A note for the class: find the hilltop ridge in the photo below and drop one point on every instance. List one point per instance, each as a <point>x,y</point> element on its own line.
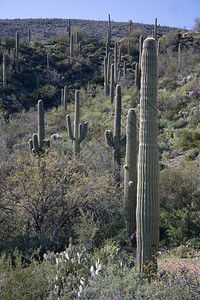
<point>42,29</point>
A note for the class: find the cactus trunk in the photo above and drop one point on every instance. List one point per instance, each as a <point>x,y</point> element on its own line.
<point>130,173</point>
<point>148,209</point>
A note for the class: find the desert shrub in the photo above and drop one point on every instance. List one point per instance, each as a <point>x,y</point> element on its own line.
<point>188,139</point>
<point>23,278</point>
<point>180,209</point>
<point>45,199</point>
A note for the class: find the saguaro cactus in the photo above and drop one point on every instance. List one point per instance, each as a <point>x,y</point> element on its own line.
<point>112,83</point>
<point>115,141</point>
<point>29,35</point>
<point>38,141</point>
<point>105,77</point>
<point>80,131</point>
<point>17,50</point>
<point>65,97</point>
<point>48,61</point>
<point>71,48</point>
<point>130,172</point>
<point>115,63</point>
<point>4,72</point>
<point>148,211</point>
<point>109,30</point>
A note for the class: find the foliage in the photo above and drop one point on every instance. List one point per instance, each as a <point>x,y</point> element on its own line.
<point>180,202</point>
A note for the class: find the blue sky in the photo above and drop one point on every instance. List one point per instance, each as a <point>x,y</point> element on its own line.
<point>175,13</point>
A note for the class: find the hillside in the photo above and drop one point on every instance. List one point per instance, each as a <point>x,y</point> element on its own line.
<point>42,29</point>
<point>62,214</point>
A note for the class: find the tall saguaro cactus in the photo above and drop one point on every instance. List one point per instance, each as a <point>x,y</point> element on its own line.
<point>4,72</point>
<point>80,131</point>
<point>130,172</point>
<point>38,141</point>
<point>114,140</point>
<point>148,204</point>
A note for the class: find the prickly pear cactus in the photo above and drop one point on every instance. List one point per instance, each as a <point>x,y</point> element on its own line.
<point>148,211</point>
<point>130,172</point>
<point>73,269</point>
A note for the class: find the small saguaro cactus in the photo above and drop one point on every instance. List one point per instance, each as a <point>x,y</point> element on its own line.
<point>80,131</point>
<point>114,140</point>
<point>130,172</point>
<point>38,141</point>
<point>4,71</point>
<point>148,203</point>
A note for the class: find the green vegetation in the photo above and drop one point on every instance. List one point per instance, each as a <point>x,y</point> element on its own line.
<point>50,199</point>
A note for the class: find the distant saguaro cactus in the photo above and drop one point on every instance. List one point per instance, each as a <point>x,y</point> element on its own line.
<point>48,61</point>
<point>17,50</point>
<point>115,63</point>
<point>71,47</point>
<point>148,204</point>
<point>65,98</point>
<point>4,71</point>
<point>109,31</point>
<point>112,83</point>
<point>80,131</point>
<point>105,77</point>
<point>38,141</point>
<point>114,140</point>
<point>130,172</point>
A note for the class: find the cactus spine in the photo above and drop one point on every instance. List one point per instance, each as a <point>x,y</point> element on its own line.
<point>38,141</point>
<point>130,172</point>
<point>115,140</point>
<point>148,212</point>
<point>4,71</point>
<point>80,131</point>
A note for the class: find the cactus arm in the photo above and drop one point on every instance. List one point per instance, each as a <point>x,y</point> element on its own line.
<point>30,142</point>
<point>69,128</point>
<point>82,131</point>
<point>109,138</point>
<point>35,148</point>
<point>123,141</point>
